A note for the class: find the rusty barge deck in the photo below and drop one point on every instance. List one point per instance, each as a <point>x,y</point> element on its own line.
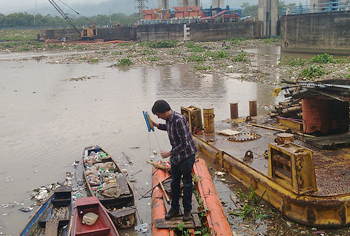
<point>309,185</point>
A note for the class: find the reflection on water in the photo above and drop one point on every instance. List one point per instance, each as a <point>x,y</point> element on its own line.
<point>47,119</point>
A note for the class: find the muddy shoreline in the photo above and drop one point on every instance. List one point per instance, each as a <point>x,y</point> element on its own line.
<point>204,57</point>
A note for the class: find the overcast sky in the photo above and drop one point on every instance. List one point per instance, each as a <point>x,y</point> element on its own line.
<point>94,7</point>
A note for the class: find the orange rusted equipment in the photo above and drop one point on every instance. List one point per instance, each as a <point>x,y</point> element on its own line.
<point>181,12</point>
<point>149,14</point>
<point>158,204</point>
<point>195,11</point>
<point>215,217</point>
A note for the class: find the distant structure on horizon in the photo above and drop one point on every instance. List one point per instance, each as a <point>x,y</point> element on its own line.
<point>164,4</point>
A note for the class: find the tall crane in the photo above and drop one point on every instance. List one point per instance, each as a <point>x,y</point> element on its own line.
<point>86,33</point>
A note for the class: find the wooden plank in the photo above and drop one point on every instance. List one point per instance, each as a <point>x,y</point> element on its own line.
<point>173,223</point>
<point>195,206</point>
<point>51,227</point>
<point>196,220</point>
<point>123,185</point>
<point>161,185</point>
<point>123,212</point>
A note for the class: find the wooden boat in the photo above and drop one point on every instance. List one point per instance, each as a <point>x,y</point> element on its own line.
<point>53,217</point>
<point>102,226</point>
<point>215,218</point>
<point>105,180</point>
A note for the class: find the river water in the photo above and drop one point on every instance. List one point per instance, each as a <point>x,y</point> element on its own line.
<point>48,116</point>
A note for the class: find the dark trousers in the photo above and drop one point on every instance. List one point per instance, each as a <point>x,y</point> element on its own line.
<point>184,169</point>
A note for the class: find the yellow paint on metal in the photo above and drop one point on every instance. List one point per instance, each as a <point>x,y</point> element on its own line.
<point>208,117</point>
<point>292,166</point>
<point>294,125</point>
<point>295,193</point>
<point>194,117</point>
<point>305,209</point>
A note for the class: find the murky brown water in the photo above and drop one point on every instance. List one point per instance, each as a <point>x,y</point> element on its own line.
<point>47,119</point>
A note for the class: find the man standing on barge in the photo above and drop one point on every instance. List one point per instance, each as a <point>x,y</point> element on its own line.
<point>182,156</point>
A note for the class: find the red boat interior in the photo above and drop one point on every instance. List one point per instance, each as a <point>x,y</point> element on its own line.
<point>98,228</point>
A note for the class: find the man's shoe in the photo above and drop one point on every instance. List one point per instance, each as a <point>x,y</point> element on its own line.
<point>172,212</point>
<point>187,215</point>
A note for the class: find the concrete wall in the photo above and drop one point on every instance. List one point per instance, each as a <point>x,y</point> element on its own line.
<point>163,4</point>
<point>163,32</point>
<point>268,14</point>
<point>185,3</point>
<point>200,32</point>
<point>316,33</point>
<point>218,3</point>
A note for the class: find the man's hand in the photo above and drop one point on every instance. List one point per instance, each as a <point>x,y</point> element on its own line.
<point>155,123</point>
<point>165,154</point>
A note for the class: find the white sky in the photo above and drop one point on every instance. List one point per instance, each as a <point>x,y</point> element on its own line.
<point>92,7</point>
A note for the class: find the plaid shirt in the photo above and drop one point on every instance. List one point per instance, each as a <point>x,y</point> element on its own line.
<point>180,137</point>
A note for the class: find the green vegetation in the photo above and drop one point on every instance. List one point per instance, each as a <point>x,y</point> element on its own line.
<point>174,52</point>
<point>55,46</point>
<point>342,60</point>
<point>237,41</point>
<point>153,58</point>
<point>21,46</point>
<point>19,35</point>
<point>26,19</point>
<point>93,60</point>
<point>163,44</point>
<point>242,56</point>
<point>324,58</point>
<point>124,62</point>
<point>148,52</point>
<point>202,67</point>
<point>124,44</point>
<point>312,72</point>
<point>196,48</point>
<point>292,61</point>
<point>249,10</point>
<point>196,58</point>
<point>252,10</point>
<point>271,40</point>
<point>252,208</point>
<point>217,55</point>
<point>117,53</point>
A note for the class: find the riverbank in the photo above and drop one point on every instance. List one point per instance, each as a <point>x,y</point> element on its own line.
<point>204,57</point>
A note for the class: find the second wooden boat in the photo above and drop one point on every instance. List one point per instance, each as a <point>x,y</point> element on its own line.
<point>53,217</point>
<point>105,180</point>
<point>91,218</point>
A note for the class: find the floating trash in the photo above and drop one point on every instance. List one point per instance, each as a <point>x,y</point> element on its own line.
<point>26,209</point>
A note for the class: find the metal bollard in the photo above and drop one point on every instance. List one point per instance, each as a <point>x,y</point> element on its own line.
<point>234,110</point>
<point>208,117</point>
<point>253,108</point>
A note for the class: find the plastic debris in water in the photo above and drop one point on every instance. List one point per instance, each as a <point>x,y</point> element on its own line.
<point>143,228</point>
<point>26,209</point>
<point>155,152</point>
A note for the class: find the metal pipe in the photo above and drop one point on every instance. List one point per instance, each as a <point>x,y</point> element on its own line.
<point>253,108</point>
<point>234,110</point>
<point>208,117</point>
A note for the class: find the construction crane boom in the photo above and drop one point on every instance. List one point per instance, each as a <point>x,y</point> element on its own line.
<point>64,15</point>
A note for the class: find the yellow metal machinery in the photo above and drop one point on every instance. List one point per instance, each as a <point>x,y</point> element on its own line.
<point>194,117</point>
<point>292,166</point>
<point>289,184</point>
<point>88,33</point>
<point>208,117</point>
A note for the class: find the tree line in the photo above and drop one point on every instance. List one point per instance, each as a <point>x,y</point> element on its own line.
<point>29,20</point>
<point>252,10</point>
